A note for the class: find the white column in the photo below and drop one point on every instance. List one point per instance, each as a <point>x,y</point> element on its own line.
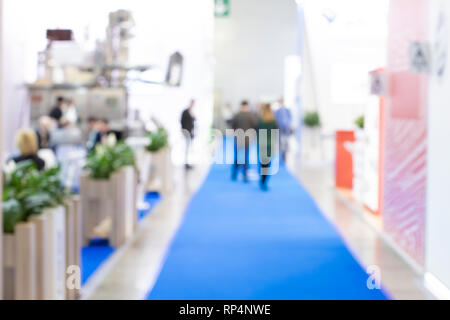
<point>1,145</point>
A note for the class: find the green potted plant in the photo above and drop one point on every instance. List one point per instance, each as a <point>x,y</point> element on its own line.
<point>359,131</point>
<point>33,226</point>
<point>359,122</point>
<point>312,135</point>
<point>311,119</point>
<point>358,154</point>
<point>108,193</point>
<point>105,160</point>
<point>28,192</point>
<point>158,140</point>
<point>160,172</point>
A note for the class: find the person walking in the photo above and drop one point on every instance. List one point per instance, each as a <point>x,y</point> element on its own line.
<point>244,120</point>
<point>284,119</point>
<point>267,122</point>
<point>188,126</point>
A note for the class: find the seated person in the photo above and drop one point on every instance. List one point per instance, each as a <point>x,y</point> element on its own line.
<point>66,135</point>
<point>70,113</point>
<point>106,130</point>
<point>103,130</point>
<point>94,136</point>
<point>100,133</point>
<point>46,126</point>
<point>57,111</point>
<point>27,143</point>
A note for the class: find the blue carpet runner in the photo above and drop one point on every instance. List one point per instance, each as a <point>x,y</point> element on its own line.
<point>93,256</point>
<point>237,242</point>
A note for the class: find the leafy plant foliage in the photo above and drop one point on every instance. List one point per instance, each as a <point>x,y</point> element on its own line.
<point>311,119</point>
<point>104,160</point>
<point>158,140</point>
<point>360,122</point>
<point>27,192</point>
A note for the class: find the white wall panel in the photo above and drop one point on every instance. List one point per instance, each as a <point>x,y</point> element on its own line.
<point>1,147</point>
<point>250,50</point>
<point>340,53</point>
<point>438,172</point>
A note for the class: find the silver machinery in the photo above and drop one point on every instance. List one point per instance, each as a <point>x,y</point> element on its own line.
<point>95,81</point>
<point>94,102</point>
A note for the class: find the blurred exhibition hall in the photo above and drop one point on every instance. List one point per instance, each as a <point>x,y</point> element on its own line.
<point>225,150</point>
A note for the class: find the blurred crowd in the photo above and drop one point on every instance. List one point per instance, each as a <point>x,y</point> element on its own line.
<point>266,122</point>
<point>60,136</point>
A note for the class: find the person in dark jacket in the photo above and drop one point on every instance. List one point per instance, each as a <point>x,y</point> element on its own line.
<point>93,136</point>
<point>188,126</point>
<point>267,122</point>
<point>57,111</point>
<point>27,143</point>
<point>244,120</point>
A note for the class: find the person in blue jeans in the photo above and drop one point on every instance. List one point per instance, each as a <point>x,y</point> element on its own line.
<point>244,120</point>
<point>267,122</point>
<point>284,120</point>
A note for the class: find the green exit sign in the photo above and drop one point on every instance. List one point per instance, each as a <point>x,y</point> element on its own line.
<point>222,8</point>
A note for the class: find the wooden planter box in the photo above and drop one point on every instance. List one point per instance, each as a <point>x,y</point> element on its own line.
<point>74,241</point>
<point>358,152</point>
<point>53,255</point>
<point>110,204</point>
<point>313,149</point>
<point>36,256</point>
<point>34,263</point>
<point>19,263</point>
<point>144,161</point>
<point>161,178</point>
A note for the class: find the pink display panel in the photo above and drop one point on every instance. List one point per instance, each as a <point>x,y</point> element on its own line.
<point>405,131</point>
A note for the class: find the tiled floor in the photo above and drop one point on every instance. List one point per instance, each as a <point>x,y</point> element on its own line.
<point>368,247</point>
<point>135,270</point>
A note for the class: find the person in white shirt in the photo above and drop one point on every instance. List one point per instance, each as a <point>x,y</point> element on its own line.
<point>71,114</point>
